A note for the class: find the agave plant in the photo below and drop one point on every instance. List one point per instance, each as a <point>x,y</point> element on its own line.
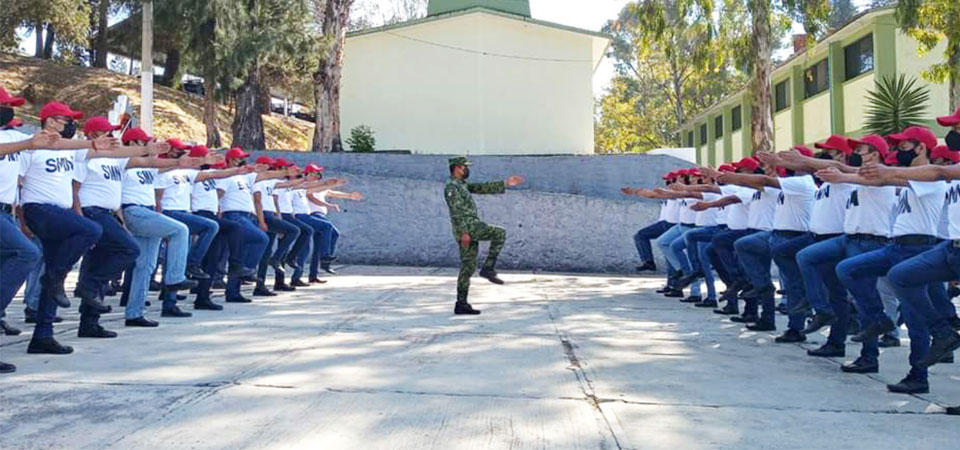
<point>896,103</point>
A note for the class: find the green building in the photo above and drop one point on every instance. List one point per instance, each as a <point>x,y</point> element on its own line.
<point>820,91</point>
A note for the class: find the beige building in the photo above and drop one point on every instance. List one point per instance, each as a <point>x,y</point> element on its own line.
<point>473,77</point>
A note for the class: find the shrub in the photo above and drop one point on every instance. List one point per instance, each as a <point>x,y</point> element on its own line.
<point>361,140</point>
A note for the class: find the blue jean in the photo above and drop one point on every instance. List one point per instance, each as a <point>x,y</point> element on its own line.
<point>325,237</point>
<point>31,292</point>
<point>697,242</point>
<point>65,237</point>
<point>301,249</point>
<point>214,262</point>
<point>666,239</point>
<point>722,243</point>
<point>642,239</point>
<point>753,251</point>
<point>148,228</point>
<point>18,256</point>
<point>784,250</point>
<point>682,254</point>
<point>276,225</point>
<point>115,252</point>
<point>205,229</point>
<point>255,243</point>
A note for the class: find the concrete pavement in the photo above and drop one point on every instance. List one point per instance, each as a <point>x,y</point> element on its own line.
<point>375,360</point>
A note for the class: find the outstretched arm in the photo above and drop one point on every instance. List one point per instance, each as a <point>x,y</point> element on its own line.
<point>920,173</point>
<point>345,195</point>
<point>43,139</point>
<point>792,159</point>
<point>836,176</point>
<point>719,203</point>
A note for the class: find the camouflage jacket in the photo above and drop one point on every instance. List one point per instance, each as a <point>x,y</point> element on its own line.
<point>463,211</point>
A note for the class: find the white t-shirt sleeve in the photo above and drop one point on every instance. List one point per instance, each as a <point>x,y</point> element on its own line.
<point>710,197</point>
<point>163,181</point>
<point>798,186</point>
<point>926,188</point>
<point>80,171</point>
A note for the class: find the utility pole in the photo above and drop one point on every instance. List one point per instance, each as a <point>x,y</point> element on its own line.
<point>146,69</point>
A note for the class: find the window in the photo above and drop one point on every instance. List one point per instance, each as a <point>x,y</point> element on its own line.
<point>782,100</point>
<point>816,79</point>
<point>858,57</point>
<point>736,119</point>
<point>703,134</point>
<point>718,126</point>
<point>690,139</point>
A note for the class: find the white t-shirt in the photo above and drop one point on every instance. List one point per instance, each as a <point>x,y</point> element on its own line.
<point>671,211</point>
<point>315,208</point>
<point>794,203</point>
<point>300,203</point>
<point>919,208</point>
<point>284,200</point>
<point>869,210</point>
<point>829,208</point>
<point>101,182</point>
<point>265,188</point>
<point>737,214</point>
<point>12,166</point>
<point>138,187</point>
<point>762,206</point>
<point>48,178</point>
<point>687,215</point>
<point>177,187</point>
<point>952,215</point>
<point>237,193</point>
<point>707,217</point>
<point>204,196</point>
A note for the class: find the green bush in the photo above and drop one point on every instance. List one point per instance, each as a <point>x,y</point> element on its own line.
<point>361,140</point>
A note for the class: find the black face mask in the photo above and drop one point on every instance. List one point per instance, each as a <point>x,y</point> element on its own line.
<point>905,158</point>
<point>6,115</point>
<point>759,171</point>
<point>823,155</point>
<point>953,140</point>
<point>466,172</point>
<point>205,167</point>
<point>855,160</point>
<point>69,130</point>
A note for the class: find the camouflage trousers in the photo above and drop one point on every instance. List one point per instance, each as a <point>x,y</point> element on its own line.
<point>468,256</point>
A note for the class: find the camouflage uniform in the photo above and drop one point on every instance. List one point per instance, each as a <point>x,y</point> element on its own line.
<point>463,216</point>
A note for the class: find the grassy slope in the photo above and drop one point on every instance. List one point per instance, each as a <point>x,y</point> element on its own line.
<point>93,91</point>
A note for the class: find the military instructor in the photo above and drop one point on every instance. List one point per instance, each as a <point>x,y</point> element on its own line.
<point>469,230</point>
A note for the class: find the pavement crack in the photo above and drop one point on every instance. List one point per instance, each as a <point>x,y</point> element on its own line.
<point>762,407</point>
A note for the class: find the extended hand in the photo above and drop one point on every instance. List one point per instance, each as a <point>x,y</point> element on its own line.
<point>157,148</point>
<point>830,174</point>
<point>628,191</point>
<point>335,207</point>
<point>189,162</point>
<point>106,143</point>
<point>464,240</point>
<point>700,206</point>
<point>213,158</point>
<point>44,139</point>
<point>356,196</point>
<point>874,170</point>
<point>768,158</point>
<point>710,172</point>
<point>513,181</point>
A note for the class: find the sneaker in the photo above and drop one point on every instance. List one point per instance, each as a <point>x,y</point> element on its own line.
<point>861,365</point>
<point>910,385</point>
<point>48,346</point>
<point>790,336</point>
<point>829,350</point>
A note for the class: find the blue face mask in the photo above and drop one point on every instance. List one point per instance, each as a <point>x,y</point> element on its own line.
<point>953,140</point>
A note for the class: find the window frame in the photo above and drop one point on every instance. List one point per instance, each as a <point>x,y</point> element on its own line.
<point>690,142</point>
<point>813,87</point>
<point>718,127</point>
<point>859,47</point>
<point>736,118</point>
<point>777,107</point>
<point>703,134</point>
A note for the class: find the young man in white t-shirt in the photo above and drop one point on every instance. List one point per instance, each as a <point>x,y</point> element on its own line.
<point>669,213</point>
<point>326,235</point>
<point>686,222</point>
<point>266,203</point>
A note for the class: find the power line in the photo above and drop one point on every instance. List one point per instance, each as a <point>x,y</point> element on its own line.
<point>484,53</point>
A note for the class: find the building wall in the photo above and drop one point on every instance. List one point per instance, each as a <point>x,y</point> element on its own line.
<point>736,140</point>
<point>437,100</point>
<point>816,118</point>
<point>913,65</point>
<point>855,101</point>
<point>782,129</point>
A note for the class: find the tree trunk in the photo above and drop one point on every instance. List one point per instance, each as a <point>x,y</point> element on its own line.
<point>171,71</point>
<point>210,106</point>
<point>326,133</point>
<point>247,122</point>
<point>762,120</point>
<point>38,39</point>
<point>100,45</point>
<point>48,42</point>
<point>954,62</point>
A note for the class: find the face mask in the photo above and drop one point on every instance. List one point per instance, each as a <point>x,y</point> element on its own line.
<point>790,172</point>
<point>69,130</point>
<point>855,160</point>
<point>953,140</point>
<point>759,171</point>
<point>6,115</point>
<point>466,173</point>
<point>904,159</point>
<point>824,155</point>
<point>205,167</point>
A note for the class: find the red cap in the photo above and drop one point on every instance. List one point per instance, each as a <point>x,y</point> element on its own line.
<point>197,151</point>
<point>835,142</point>
<point>295,167</point>
<point>313,168</point>
<point>874,140</point>
<point>683,172</point>
<point>748,163</point>
<point>942,151</point>
<point>8,100</point>
<point>266,160</point>
<point>57,109</point>
<point>727,168</point>
<point>98,123</point>
<point>695,172</point>
<point>220,165</point>
<point>179,145</point>
<point>781,171</point>
<point>804,150</point>
<point>916,133</point>
<point>669,175</point>
<point>949,121</point>
<point>135,134</point>
<point>280,163</point>
<point>235,153</point>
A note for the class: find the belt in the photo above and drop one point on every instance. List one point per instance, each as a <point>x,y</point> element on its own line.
<point>788,233</point>
<point>243,213</point>
<point>915,239</point>
<point>6,208</point>
<point>207,214</point>
<point>99,209</point>
<point>688,224</point>
<point>867,237</point>
<point>823,237</point>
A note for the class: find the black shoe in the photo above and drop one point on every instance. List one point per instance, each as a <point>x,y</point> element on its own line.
<point>298,283</point>
<point>860,366</point>
<point>688,279</point>
<point>802,308</point>
<point>240,299</point>
<point>48,346</point>
<point>219,284</point>
<point>782,309</point>
<point>464,308</point>
<point>95,331</point>
<point>241,272</point>
<point>262,291</point>
<point>491,276</point>
<point>910,385</point>
<point>941,347</point>
<point>819,321</point>
<point>746,318</point>
<point>291,263</point>
<point>92,303</point>
<point>762,325</point>
<point>947,359</point>
<point>708,303</point>
<point>174,311</point>
<point>648,266</point>
<point>954,323</point>
<point>877,329</point>
<point>181,286</point>
<point>691,299</point>
<point>155,286</point>
<point>277,267</point>
<point>790,337</point>
<point>54,289</point>
<point>727,310</point>
<point>953,411</point>
<point>7,329</point>
<point>7,367</point>
<point>283,288</point>
<point>314,280</point>
<point>181,297</point>
<point>141,322</point>
<point>887,341</point>
<point>196,273</point>
<point>664,289</point>
<point>761,292</point>
<point>673,293</point>
<point>326,268</point>
<point>207,304</point>
<point>829,351</point>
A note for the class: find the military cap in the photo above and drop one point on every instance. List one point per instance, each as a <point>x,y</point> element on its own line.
<point>460,161</point>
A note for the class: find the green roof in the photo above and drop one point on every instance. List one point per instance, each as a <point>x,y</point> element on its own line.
<point>518,7</point>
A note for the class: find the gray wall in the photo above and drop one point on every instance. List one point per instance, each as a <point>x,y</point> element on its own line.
<point>569,216</point>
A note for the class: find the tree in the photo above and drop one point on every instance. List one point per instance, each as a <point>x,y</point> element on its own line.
<point>929,22</point>
<point>333,15</point>
<point>99,42</point>
<point>61,21</point>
